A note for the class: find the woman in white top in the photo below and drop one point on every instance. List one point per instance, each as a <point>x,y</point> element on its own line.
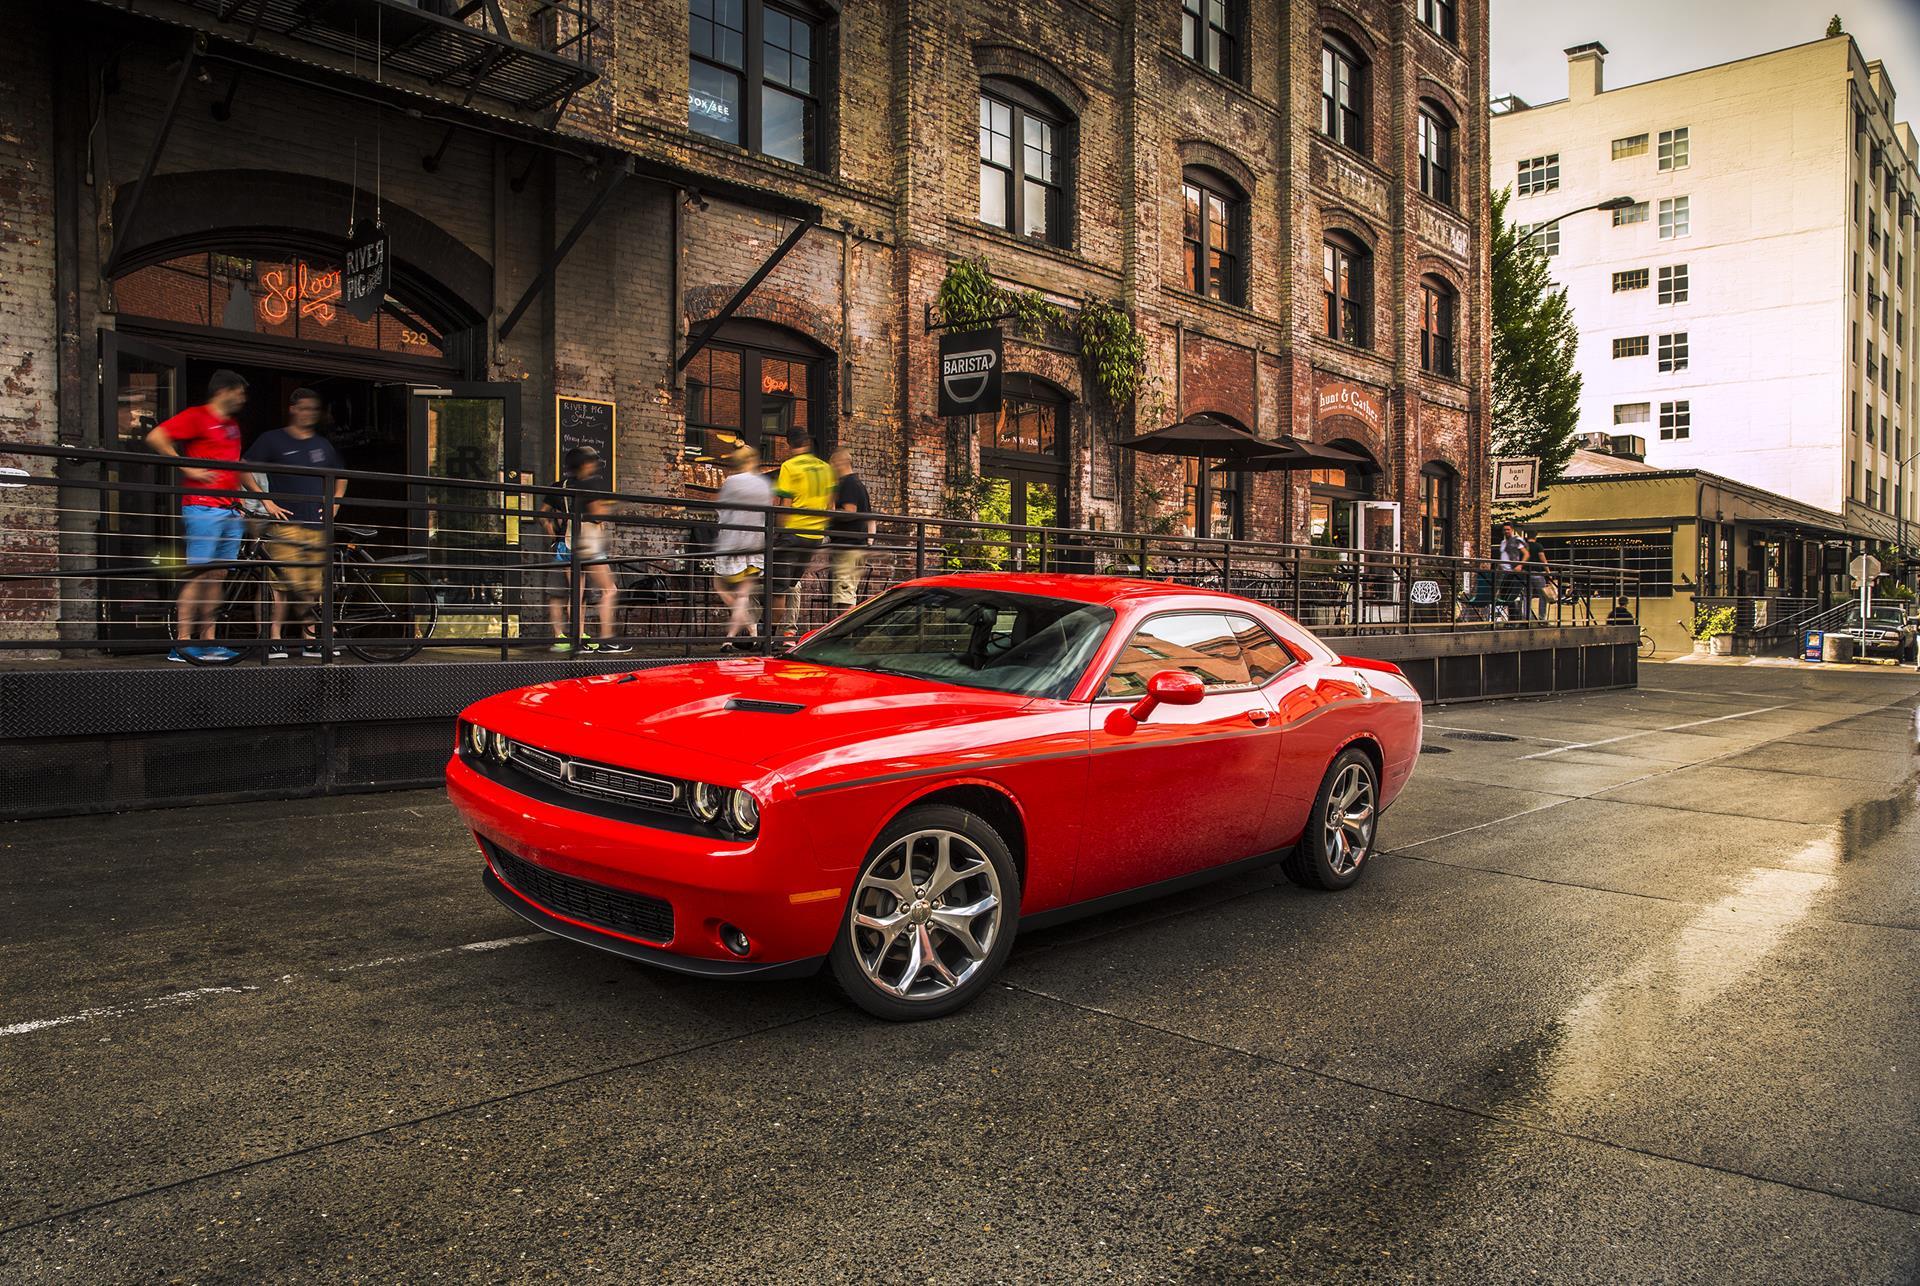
<point>739,547</point>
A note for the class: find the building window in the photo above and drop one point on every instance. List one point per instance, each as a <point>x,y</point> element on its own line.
<point>1673,352</point>
<point>1676,420</point>
<point>1540,174</point>
<point>1636,145</point>
<point>753,77</point>
<point>1024,153</point>
<point>1210,34</point>
<point>1212,498</point>
<point>1439,312</point>
<point>753,390</point>
<point>1631,279</point>
<point>1441,18</point>
<point>1676,217</point>
<point>1673,149</point>
<point>1631,413</point>
<point>1544,237</point>
<point>1348,288</point>
<point>1439,490</point>
<point>1436,153</point>
<point>1630,346</point>
<point>1215,229</point>
<point>1343,94</point>
<point>1673,284</point>
<point>1635,213</point>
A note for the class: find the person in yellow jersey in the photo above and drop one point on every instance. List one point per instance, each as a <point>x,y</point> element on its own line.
<point>805,485</point>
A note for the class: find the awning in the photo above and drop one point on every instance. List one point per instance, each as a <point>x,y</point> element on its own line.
<point>1205,437</point>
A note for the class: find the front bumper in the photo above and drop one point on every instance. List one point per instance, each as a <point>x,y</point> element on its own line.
<point>771,888</point>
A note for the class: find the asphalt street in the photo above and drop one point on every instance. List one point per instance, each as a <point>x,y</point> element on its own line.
<point>1633,994</point>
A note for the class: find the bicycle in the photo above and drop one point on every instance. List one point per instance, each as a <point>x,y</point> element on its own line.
<point>381,611</point>
<point>1646,643</point>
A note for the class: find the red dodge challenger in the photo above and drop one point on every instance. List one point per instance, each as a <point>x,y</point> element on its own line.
<point>958,758</point>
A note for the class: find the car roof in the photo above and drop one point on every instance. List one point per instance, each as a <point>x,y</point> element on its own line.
<point>1101,590</point>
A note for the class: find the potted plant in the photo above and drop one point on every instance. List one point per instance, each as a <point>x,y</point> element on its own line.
<point>1713,632</point>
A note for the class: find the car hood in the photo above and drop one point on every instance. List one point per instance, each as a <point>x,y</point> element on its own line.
<point>757,711</point>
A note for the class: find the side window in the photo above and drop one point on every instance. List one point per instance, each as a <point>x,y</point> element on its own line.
<point>1201,643</point>
<point>1265,655</point>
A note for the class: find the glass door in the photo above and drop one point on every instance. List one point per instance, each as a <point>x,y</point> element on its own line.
<point>141,385</point>
<point>470,433</point>
<point>1379,532</point>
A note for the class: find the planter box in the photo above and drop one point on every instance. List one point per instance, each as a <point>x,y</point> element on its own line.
<point>1722,645</point>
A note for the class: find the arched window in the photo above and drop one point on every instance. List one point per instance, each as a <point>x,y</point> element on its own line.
<point>1348,289</point>
<point>1333,513</point>
<point>1439,323</point>
<point>1343,93</point>
<point>1210,34</point>
<point>1212,498</point>
<point>1026,152</point>
<point>1436,152</point>
<point>1023,453</point>
<point>1439,494</point>
<point>752,384</point>
<point>1214,231</point>
<point>755,74</point>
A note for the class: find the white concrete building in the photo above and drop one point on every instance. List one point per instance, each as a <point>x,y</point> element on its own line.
<point>1753,313</point>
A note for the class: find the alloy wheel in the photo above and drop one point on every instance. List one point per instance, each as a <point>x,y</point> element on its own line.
<point>1350,817</point>
<point>925,915</point>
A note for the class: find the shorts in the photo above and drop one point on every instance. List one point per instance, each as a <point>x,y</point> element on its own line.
<point>297,558</point>
<point>737,568</point>
<point>792,556</point>
<point>212,533</point>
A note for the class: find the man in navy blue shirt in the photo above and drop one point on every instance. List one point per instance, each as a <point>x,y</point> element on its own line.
<point>297,503</point>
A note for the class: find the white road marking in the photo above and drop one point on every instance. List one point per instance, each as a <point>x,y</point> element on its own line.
<point>102,1013</point>
<point>1649,732</point>
<point>121,1011</point>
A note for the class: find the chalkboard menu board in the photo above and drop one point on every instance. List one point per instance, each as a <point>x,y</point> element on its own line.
<point>583,422</point>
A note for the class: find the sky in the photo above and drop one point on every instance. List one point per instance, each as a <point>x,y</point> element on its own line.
<point>1647,39</point>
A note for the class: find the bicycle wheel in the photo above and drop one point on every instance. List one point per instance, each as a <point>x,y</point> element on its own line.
<point>383,613</point>
<point>240,623</point>
<point>1646,645</point>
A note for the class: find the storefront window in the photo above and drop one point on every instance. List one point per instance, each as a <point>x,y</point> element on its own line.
<point>1437,492</point>
<point>295,298</point>
<point>1212,501</point>
<point>751,393</point>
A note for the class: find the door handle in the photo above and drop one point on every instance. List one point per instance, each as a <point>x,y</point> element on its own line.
<point>1258,718</point>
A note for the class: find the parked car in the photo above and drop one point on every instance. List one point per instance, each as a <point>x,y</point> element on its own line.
<point>1886,631</point>
<point>960,758</point>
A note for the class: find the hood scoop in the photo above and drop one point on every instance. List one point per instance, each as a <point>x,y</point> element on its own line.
<point>764,707</point>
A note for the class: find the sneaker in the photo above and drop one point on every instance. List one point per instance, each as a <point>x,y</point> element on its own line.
<point>614,649</point>
<point>277,652</point>
<point>178,655</point>
<point>562,647</point>
<point>312,652</point>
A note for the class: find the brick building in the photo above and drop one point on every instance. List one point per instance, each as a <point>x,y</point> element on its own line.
<point>1288,199</point>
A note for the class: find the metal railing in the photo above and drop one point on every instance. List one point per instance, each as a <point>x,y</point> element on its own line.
<point>93,561</point>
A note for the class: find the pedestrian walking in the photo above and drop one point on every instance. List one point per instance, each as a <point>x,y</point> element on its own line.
<point>579,513</point>
<point>211,525</point>
<point>805,485</point>
<point>1511,588</point>
<point>296,505</point>
<point>850,535</point>
<point>739,545</point>
<point>1541,588</point>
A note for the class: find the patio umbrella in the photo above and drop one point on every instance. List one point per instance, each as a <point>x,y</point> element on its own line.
<point>1294,454</point>
<point>1208,438</point>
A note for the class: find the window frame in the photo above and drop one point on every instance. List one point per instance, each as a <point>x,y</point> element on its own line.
<point>1344,124</point>
<point>1439,479</point>
<point>1627,216</point>
<point>1634,145</point>
<point>752,75</point>
<point>1625,346</point>
<point>1673,352</point>
<point>1237,210</point>
<point>1629,279</point>
<point>1199,488</point>
<point>1358,256</point>
<point>1675,149</point>
<point>1439,342</point>
<point>1441,17</point>
<point>755,343</point>
<point>1229,42</point>
<point>1675,284</point>
<point>1675,420</point>
<point>1537,174</point>
<point>1676,217</point>
<point>1023,101</point>
<point>1435,132</point>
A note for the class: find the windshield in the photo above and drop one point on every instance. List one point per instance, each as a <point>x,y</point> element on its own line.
<point>976,638</point>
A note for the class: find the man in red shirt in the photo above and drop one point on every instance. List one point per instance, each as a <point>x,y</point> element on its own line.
<point>212,525</point>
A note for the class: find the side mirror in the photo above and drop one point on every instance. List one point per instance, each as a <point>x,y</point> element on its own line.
<point>1171,688</point>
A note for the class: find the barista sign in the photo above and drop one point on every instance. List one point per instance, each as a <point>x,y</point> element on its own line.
<point>970,372</point>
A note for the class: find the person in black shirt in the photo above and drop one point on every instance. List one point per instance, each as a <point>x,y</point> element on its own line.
<point>296,504</point>
<point>579,507</point>
<point>850,535</point>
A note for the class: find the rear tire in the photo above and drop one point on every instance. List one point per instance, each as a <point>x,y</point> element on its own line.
<point>931,918</point>
<point>240,623</point>
<point>1340,832</point>
<point>383,613</point>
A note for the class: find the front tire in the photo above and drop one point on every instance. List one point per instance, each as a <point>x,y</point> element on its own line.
<point>1346,816</point>
<point>932,916</point>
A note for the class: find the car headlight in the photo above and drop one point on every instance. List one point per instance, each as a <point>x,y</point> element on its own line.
<point>707,801</point>
<point>499,745</point>
<point>476,739</point>
<point>743,813</point>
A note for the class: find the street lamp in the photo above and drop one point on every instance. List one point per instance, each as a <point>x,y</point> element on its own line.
<point>1611,203</point>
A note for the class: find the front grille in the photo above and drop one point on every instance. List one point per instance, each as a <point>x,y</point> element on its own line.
<point>634,914</point>
<point>579,777</point>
